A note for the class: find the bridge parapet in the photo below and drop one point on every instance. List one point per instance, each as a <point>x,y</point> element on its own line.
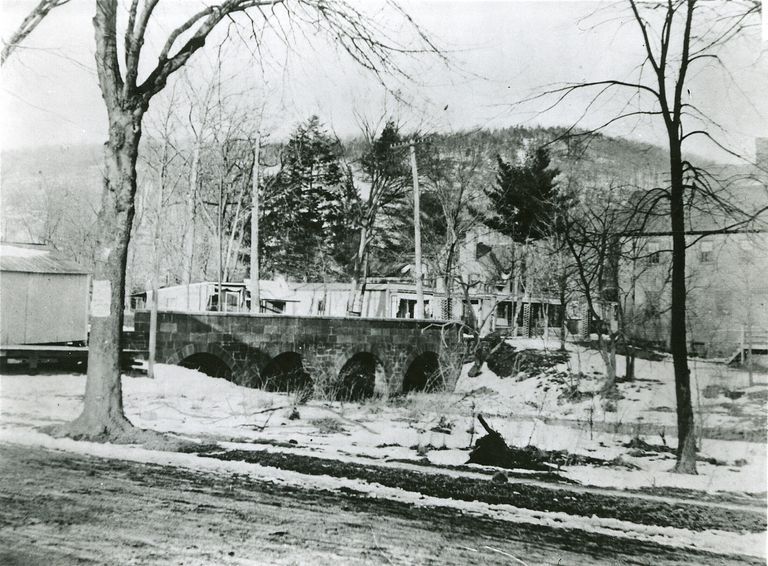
<point>247,346</point>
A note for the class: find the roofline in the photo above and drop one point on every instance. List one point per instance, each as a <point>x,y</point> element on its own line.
<point>57,272</point>
<point>713,232</point>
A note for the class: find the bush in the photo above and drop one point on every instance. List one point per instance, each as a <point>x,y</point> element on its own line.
<point>502,360</point>
<point>327,425</point>
<point>505,360</point>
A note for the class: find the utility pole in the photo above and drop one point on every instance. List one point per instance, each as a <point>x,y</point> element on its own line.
<point>255,272</point>
<point>219,228</point>
<point>152,354</point>
<point>189,236</point>
<point>419,312</point>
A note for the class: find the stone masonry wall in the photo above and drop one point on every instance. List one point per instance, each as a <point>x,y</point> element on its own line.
<point>246,343</point>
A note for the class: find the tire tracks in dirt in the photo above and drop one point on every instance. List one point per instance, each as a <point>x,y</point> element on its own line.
<point>65,508</point>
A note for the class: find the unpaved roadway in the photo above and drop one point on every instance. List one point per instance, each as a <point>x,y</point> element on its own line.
<point>59,508</point>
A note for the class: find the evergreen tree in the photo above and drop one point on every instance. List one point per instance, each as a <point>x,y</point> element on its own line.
<point>523,201</point>
<point>309,208</point>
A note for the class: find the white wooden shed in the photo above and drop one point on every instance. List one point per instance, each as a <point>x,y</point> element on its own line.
<point>43,296</point>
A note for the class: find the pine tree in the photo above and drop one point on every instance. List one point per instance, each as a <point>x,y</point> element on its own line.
<point>307,214</point>
<point>523,200</point>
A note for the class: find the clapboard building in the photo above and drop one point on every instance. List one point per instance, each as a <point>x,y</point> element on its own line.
<point>43,296</point>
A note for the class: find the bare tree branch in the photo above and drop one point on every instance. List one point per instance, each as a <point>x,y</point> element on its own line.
<point>27,26</point>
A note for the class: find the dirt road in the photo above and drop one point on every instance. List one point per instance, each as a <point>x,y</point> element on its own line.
<point>58,508</point>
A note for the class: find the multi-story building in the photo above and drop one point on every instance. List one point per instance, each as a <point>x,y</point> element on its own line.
<point>726,269</point>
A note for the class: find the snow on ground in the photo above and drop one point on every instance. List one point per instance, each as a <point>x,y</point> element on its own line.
<point>200,407</point>
<point>648,399</point>
<point>749,544</point>
<point>439,427</point>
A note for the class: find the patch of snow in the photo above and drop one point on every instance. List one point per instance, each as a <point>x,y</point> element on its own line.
<point>192,404</point>
<point>749,544</point>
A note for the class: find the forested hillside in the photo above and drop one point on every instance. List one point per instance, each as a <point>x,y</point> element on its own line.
<point>50,195</point>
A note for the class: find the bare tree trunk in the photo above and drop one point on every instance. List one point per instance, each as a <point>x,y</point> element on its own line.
<point>102,415</point>
<point>749,359</point>
<point>562,290</point>
<point>236,252</point>
<point>563,309</point>
<point>448,279</point>
<point>153,305</point>
<point>515,289</point>
<point>234,238</point>
<point>355,299</point>
<point>686,441</point>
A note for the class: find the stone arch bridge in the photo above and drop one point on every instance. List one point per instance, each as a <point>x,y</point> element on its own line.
<point>346,357</point>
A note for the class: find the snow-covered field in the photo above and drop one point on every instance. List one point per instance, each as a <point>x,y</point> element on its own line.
<point>437,428</point>
<point>528,411</point>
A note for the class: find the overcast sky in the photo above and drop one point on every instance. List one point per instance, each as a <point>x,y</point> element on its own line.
<point>499,53</point>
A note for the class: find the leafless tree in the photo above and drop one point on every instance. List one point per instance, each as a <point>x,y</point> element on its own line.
<point>28,25</point>
<point>383,169</point>
<point>455,176</point>
<point>679,37</point>
<point>127,98</point>
<point>158,226</point>
<point>594,236</point>
<point>60,217</point>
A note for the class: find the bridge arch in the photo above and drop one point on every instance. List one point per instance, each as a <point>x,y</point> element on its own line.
<point>422,372</point>
<point>216,361</point>
<point>362,376</point>
<point>285,372</point>
<point>210,359</point>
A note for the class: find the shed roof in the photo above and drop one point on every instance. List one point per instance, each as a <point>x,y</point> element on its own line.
<point>36,258</point>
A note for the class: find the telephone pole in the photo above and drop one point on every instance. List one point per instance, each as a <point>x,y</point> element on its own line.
<point>419,311</point>
<point>255,272</point>
<point>417,275</point>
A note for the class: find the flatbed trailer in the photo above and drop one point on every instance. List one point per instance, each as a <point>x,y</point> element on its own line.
<point>32,356</point>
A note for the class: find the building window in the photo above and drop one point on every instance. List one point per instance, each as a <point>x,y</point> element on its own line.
<point>653,252</point>
<point>705,252</point>
<point>274,307</point>
<point>232,301</point>
<point>406,308</point>
<point>504,312</point>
